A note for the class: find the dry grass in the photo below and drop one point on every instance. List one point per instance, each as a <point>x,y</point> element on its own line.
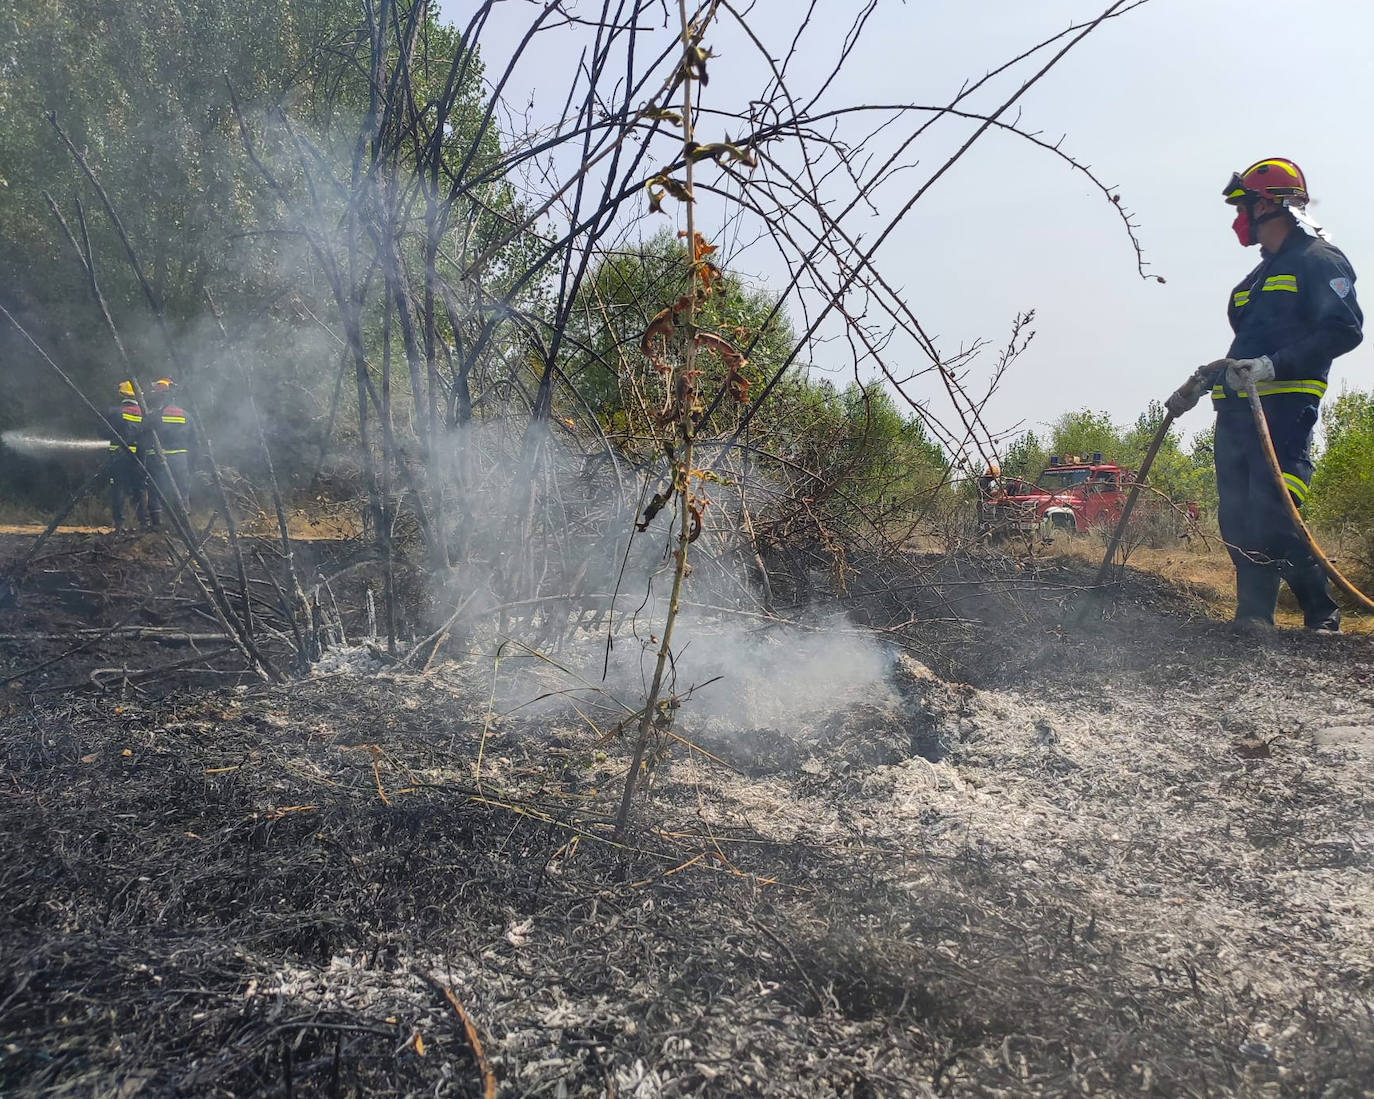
<point>1204,573</point>
<point>335,524</point>
<point>93,517</point>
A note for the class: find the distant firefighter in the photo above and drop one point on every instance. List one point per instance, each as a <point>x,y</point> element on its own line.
<point>987,483</point>
<point>173,428</point>
<point>988,487</point>
<point>126,478</point>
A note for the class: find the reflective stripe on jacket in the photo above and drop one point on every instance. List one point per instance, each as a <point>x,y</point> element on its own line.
<point>173,429</point>
<point>127,420</point>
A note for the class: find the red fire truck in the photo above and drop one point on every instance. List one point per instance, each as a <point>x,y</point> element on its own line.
<point>1070,495</point>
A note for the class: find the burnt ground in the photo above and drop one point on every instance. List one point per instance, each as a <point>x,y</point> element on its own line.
<point>1132,856</point>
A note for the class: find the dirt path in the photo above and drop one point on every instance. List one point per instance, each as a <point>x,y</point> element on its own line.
<point>299,526</point>
<point>39,528</point>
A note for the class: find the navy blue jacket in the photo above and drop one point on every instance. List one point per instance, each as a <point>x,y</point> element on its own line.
<point>127,420</point>
<point>173,429</point>
<point>1298,307</point>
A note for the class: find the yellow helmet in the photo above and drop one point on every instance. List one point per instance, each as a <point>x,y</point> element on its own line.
<point>126,389</point>
<point>163,383</point>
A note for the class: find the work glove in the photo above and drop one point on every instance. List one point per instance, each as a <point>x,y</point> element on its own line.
<point>1243,372</point>
<point>1184,398</point>
<point>1210,374</point>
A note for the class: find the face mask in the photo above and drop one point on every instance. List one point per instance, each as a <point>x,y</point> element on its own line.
<point>1244,227</point>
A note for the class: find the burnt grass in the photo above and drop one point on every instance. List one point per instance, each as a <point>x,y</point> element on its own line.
<point>220,888</point>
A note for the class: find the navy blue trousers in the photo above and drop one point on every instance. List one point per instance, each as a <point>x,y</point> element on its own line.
<point>175,477</point>
<point>126,488</point>
<point>1259,535</point>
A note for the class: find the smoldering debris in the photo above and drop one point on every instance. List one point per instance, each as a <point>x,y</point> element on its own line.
<point>776,675</point>
<point>762,699</point>
<point>280,883</point>
<point>340,660</point>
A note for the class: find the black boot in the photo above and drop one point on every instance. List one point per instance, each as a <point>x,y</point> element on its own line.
<point>1319,610</point>
<point>1257,594</point>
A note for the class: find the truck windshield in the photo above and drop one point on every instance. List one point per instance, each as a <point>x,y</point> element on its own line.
<point>1052,480</point>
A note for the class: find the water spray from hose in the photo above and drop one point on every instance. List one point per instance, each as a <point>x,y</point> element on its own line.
<point>26,442</point>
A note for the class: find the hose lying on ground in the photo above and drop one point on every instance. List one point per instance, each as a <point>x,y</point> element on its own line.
<point>1267,445</point>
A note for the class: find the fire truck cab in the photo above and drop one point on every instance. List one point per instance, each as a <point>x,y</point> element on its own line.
<point>1070,495</point>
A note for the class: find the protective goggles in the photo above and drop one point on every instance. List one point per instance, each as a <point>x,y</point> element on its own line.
<point>1235,191</point>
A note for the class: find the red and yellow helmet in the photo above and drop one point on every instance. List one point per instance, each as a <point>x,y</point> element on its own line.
<point>163,384</point>
<point>1277,179</point>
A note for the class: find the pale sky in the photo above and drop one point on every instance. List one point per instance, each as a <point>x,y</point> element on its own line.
<point>1164,103</point>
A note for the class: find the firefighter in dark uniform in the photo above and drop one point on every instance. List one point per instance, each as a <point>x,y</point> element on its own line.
<point>988,487</point>
<point>1291,316</point>
<point>126,478</point>
<point>173,429</point>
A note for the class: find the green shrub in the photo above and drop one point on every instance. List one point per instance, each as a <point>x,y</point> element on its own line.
<point>1342,497</point>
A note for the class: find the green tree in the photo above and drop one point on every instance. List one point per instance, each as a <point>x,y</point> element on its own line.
<point>144,88</point>
<point>1342,495</point>
<point>1081,434</point>
<point>856,438</point>
<point>627,290</point>
<point>1024,457</point>
<point>892,459</point>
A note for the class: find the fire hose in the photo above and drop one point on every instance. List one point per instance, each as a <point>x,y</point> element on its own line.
<point>1272,460</point>
<point>1194,384</point>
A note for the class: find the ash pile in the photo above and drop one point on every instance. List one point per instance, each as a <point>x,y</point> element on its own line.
<point>818,697</point>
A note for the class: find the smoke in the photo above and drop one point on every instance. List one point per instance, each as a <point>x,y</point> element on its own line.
<point>550,560</point>
<point>779,675</point>
<point>729,677</point>
<point>540,531</point>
